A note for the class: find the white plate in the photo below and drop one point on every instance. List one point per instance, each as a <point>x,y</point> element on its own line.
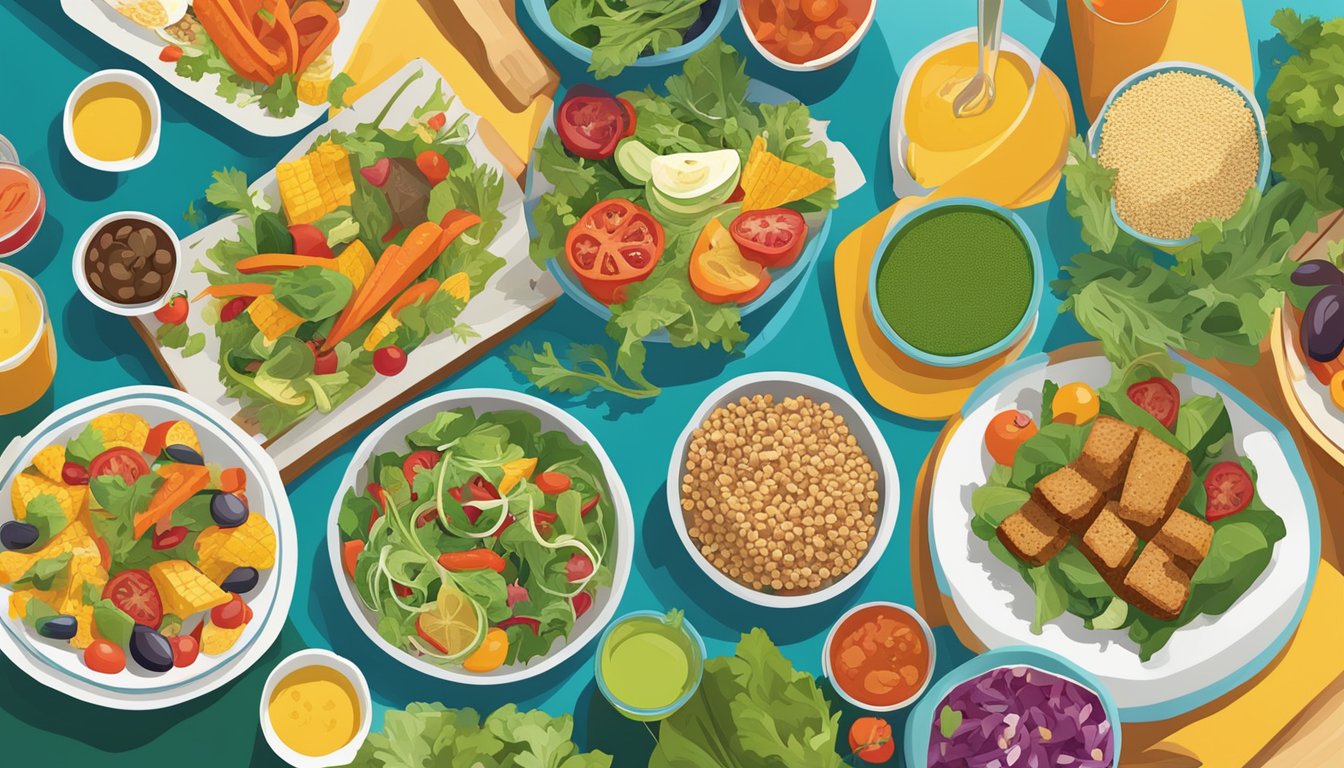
<point>144,45</point>
<point>1204,659</point>
<point>784,384</point>
<point>54,663</point>
<point>391,436</point>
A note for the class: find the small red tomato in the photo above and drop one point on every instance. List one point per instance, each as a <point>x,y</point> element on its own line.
<point>74,474</point>
<point>1229,489</point>
<point>581,602</point>
<point>433,165</point>
<point>551,483</point>
<point>174,312</point>
<point>425,460</point>
<point>436,121</point>
<point>309,241</point>
<point>170,53</point>
<point>229,615</point>
<point>185,650</point>
<point>578,568</point>
<point>234,308</point>
<point>325,362</point>
<point>1159,397</point>
<point>170,538</point>
<point>870,739</point>
<point>105,657</point>
<point>389,361</point>
<point>1006,432</point>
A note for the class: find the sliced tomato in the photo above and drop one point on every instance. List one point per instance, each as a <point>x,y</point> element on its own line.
<point>615,243</point>
<point>350,553</point>
<point>418,460</point>
<point>125,462</point>
<point>632,120</point>
<point>134,593</point>
<point>1159,397</point>
<point>579,567</point>
<point>591,122</point>
<point>1229,489</point>
<point>772,238</point>
<point>719,273</point>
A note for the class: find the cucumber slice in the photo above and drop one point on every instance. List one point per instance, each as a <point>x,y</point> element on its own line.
<point>1113,617</point>
<point>634,160</point>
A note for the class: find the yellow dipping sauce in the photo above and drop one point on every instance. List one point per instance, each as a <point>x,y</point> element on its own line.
<point>20,315</point>
<point>111,122</point>
<point>315,710</point>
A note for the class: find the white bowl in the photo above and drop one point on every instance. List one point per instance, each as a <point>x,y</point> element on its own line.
<point>815,64</point>
<point>127,310</point>
<point>54,663</point>
<point>146,91</point>
<point>783,384</point>
<point>316,657</point>
<point>928,640</point>
<point>391,436</point>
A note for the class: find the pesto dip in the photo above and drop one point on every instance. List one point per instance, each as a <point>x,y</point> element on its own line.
<point>955,280</point>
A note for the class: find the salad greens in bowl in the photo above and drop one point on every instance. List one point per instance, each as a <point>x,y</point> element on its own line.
<point>481,536</point>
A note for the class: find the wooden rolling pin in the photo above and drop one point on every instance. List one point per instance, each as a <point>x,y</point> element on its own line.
<point>509,54</point>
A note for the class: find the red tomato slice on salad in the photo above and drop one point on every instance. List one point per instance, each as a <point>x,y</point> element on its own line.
<point>1229,488</point>
<point>125,462</point>
<point>771,238</point>
<point>418,460</point>
<point>134,593</point>
<point>591,122</point>
<point>615,243</point>
<point>1159,397</point>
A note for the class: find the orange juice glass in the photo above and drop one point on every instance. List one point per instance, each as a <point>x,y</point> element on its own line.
<point>27,345</point>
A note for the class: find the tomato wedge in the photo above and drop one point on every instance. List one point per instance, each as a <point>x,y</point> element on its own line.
<point>591,122</point>
<point>719,273</point>
<point>125,462</point>
<point>615,243</point>
<point>1229,488</point>
<point>772,238</point>
<point>1159,397</point>
<point>133,591</point>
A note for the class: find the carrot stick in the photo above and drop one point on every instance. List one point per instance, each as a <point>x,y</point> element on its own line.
<point>421,290</point>
<point>276,262</point>
<point>252,290</point>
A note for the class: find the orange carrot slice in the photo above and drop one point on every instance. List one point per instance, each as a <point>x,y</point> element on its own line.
<point>181,482</point>
<point>250,290</point>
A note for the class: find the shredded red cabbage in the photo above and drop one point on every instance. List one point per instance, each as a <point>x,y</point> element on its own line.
<point>1020,717</point>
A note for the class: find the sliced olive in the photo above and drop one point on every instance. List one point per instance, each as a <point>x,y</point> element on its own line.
<point>183,454</point>
<point>17,535</point>
<point>240,580</point>
<point>61,627</point>
<point>228,510</point>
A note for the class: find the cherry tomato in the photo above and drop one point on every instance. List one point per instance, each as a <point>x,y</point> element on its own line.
<point>325,362</point>
<point>418,460</point>
<point>1159,397</point>
<point>551,483</point>
<point>1075,404</point>
<point>133,591</point>
<point>121,461</point>
<point>436,121</point>
<point>234,308</point>
<point>74,474</point>
<point>389,360</point>
<point>1229,489</point>
<point>578,568</point>
<point>771,238</point>
<point>433,165</point>
<point>170,53</point>
<point>615,243</point>
<point>870,739</point>
<point>591,122</point>
<point>229,615</point>
<point>104,657</point>
<point>185,650</point>
<point>174,312</point>
<point>170,538</point>
<point>1006,432</point>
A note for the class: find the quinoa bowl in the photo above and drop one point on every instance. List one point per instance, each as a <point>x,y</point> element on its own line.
<point>802,415</point>
<point>1243,163</point>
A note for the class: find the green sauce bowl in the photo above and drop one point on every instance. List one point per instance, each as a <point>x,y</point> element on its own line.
<point>906,225</point>
<point>695,653</point>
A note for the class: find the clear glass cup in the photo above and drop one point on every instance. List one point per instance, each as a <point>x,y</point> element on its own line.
<point>29,366</point>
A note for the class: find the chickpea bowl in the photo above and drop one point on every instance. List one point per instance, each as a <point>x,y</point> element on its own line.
<point>782,489</point>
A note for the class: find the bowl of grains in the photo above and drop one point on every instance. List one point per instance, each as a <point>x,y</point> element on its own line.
<point>782,489</point>
<point>1186,143</point>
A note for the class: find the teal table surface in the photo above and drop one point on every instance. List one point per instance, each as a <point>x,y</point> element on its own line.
<point>43,55</point>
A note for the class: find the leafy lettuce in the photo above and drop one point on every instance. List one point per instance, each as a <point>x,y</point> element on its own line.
<point>620,31</point>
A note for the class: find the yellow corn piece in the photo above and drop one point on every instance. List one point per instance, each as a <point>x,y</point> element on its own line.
<point>121,430</point>
<point>251,544</point>
<point>315,184</point>
<point>272,318</point>
<point>355,262</point>
<point>181,433</point>
<point>313,82</point>
<point>769,181</point>
<point>515,471</point>
<point>14,564</point>
<point>216,640</point>
<point>184,590</point>
<point>49,461</point>
<point>458,286</point>
<point>26,488</point>
<point>381,329</point>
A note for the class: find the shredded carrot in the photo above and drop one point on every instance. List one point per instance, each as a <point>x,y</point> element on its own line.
<point>276,262</point>
<point>252,290</point>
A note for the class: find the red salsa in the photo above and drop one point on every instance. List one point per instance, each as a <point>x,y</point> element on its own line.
<point>802,31</point>
<point>879,656</point>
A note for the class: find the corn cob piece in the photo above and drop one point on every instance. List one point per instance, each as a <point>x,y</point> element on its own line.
<point>315,184</point>
<point>181,433</point>
<point>313,82</point>
<point>458,286</point>
<point>14,564</point>
<point>221,550</point>
<point>26,488</point>
<point>184,590</point>
<point>272,318</point>
<point>50,461</point>
<point>216,639</point>
<point>121,430</point>
<point>355,262</point>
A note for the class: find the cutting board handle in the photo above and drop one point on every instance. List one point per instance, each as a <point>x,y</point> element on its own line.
<point>510,55</point>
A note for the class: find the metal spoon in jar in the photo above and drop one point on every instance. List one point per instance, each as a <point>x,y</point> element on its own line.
<point>978,93</point>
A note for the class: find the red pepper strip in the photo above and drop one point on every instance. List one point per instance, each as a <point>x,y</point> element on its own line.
<point>472,560</point>
<point>526,621</point>
<point>316,26</point>
<point>589,505</point>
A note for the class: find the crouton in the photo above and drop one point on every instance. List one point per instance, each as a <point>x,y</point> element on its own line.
<point>1156,585</point>
<point>1187,537</point>
<point>1032,535</point>
<point>1071,499</point>
<point>1107,452</point>
<point>1158,478</point>
<point>1109,544</point>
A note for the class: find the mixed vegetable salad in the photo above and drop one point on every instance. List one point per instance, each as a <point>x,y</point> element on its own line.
<point>673,211</point>
<point>126,542</point>
<point>620,31</point>
<point>1222,494</point>
<point>483,542</point>
<point>378,243</point>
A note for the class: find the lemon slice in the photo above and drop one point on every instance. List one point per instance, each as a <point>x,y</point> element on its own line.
<point>452,625</point>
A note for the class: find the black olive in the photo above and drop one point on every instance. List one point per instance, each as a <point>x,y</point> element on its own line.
<point>240,580</point>
<point>62,627</point>
<point>17,535</point>
<point>1323,324</point>
<point>183,454</point>
<point>228,510</point>
<point>1318,272</point>
<point>151,650</point>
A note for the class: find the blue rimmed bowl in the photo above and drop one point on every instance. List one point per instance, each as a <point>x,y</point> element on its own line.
<point>919,726</point>
<point>1024,324</point>
<point>719,13</point>
<point>697,665</point>
<point>1098,125</point>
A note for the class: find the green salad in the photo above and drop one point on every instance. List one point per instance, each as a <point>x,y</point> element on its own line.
<point>620,31</point>
<point>482,542</point>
